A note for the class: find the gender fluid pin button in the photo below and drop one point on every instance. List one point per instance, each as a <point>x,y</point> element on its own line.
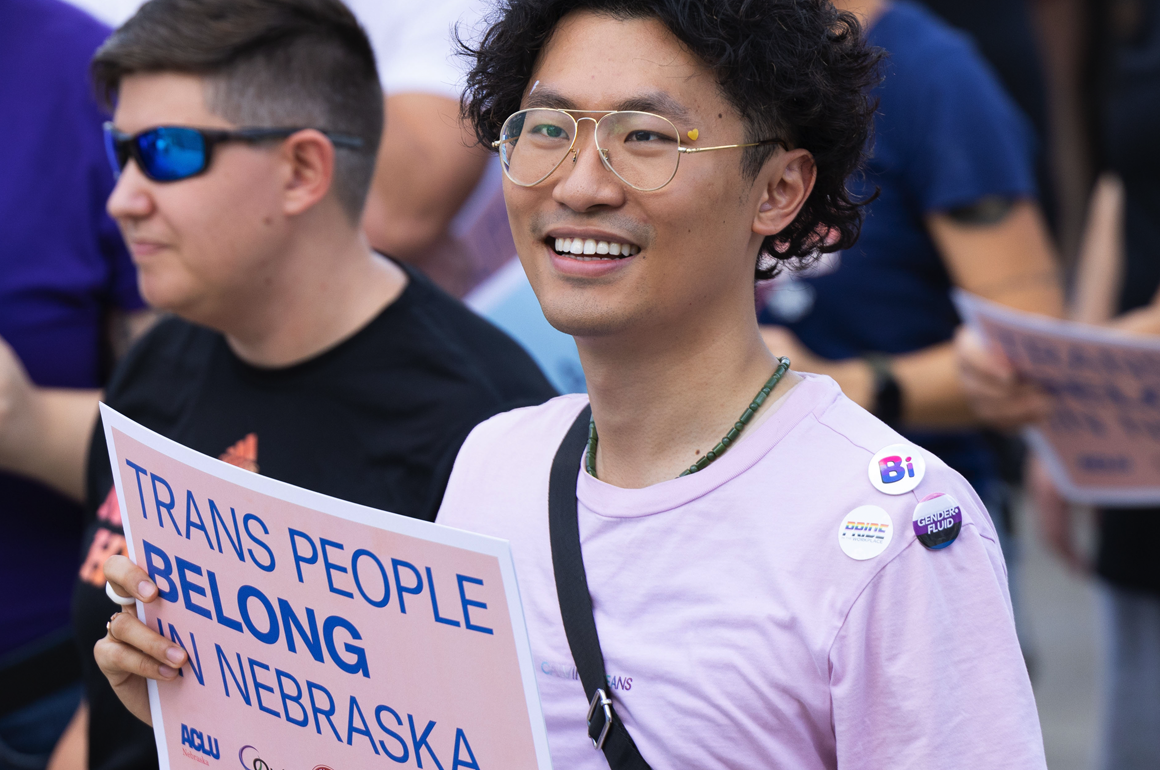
<point>897,469</point>
<point>937,520</point>
<point>865,532</point>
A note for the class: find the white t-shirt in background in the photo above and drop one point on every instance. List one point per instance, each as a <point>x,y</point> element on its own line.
<point>412,41</point>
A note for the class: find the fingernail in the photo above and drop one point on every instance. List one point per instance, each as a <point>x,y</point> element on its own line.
<point>175,654</point>
<point>146,589</point>
<point>167,672</point>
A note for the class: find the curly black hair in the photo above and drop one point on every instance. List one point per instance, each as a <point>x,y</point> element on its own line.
<point>797,69</point>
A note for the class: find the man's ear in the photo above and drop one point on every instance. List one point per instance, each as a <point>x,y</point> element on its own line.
<point>789,179</point>
<point>309,161</point>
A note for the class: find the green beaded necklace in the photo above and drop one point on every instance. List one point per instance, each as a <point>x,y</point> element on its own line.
<point>723,444</point>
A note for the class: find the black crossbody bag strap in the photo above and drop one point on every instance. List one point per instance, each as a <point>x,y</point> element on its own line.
<point>605,729</point>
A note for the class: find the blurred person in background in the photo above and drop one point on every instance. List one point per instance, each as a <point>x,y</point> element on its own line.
<point>1005,35</point>
<point>433,202</point>
<point>68,305</point>
<point>953,167</point>
<point>1117,283</point>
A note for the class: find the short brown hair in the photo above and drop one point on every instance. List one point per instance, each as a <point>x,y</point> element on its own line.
<point>268,63</point>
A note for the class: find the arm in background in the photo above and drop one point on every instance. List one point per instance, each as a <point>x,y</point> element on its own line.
<point>428,165</point>
<point>1009,260</point>
<point>45,432</point>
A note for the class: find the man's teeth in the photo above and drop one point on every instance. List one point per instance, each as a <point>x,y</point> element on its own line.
<point>591,246</point>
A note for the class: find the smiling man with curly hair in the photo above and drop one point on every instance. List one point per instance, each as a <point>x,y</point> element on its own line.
<point>776,581</point>
<point>722,563</point>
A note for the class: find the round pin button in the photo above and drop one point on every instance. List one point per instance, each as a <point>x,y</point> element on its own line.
<point>865,532</point>
<point>897,469</point>
<point>938,519</point>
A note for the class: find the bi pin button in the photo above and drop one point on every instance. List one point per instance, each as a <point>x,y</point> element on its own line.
<point>897,469</point>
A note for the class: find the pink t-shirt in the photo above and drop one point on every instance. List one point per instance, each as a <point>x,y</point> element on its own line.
<point>736,632</point>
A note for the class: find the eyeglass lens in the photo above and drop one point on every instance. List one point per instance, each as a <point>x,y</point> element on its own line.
<point>115,152</point>
<point>166,154</point>
<point>172,153</point>
<point>641,148</point>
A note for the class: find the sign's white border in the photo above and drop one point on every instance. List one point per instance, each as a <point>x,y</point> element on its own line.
<point>361,514</point>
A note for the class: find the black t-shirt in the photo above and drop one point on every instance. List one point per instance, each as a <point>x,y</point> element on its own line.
<point>376,420</point>
<point>1125,554</point>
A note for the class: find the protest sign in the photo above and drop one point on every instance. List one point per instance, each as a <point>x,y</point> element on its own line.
<point>320,633</point>
<point>1101,443</point>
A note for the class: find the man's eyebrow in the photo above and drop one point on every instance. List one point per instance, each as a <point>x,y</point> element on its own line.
<point>548,99</point>
<point>660,103</point>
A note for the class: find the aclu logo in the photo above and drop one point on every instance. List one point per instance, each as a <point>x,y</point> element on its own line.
<point>199,742</point>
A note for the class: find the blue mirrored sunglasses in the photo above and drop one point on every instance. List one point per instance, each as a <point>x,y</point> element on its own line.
<point>172,153</point>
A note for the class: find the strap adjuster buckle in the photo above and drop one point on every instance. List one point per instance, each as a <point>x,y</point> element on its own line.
<point>599,698</point>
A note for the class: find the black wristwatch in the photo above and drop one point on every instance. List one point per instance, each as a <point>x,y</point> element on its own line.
<point>887,395</point>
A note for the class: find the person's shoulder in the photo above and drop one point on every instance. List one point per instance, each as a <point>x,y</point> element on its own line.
<point>498,368</point>
<point>504,463</point>
<point>65,34</point>
<point>876,457</point>
<point>927,58</point>
<point>51,44</point>
<point>950,126</point>
<point>520,439</point>
<point>530,429</point>
<point>172,349</point>
<point>841,419</point>
<point>912,34</point>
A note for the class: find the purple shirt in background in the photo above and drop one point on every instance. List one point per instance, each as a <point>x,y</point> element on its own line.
<point>63,266</point>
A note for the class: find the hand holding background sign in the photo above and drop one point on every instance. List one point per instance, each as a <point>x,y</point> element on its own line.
<point>314,631</point>
<point>1100,439</point>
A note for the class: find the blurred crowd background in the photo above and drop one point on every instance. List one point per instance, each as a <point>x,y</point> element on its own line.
<point>1053,172</point>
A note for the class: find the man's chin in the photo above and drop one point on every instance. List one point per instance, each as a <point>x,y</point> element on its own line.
<point>585,320</point>
<point>169,298</point>
<point>583,308</point>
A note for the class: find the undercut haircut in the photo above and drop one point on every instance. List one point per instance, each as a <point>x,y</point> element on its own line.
<point>267,64</point>
<point>794,69</point>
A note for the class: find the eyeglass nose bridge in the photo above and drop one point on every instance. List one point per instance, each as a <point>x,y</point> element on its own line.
<point>575,150</point>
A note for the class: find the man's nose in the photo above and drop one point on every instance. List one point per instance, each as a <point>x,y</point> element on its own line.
<point>586,181</point>
<point>131,198</point>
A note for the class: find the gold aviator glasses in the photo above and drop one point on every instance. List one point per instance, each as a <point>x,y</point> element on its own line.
<point>641,148</point>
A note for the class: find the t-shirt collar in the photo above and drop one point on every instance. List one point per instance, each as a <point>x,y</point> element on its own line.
<point>615,502</point>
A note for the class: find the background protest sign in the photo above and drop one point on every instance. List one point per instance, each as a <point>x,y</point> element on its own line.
<point>1102,441</point>
<point>321,634</point>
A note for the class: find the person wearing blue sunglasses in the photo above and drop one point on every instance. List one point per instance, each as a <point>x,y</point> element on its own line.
<point>244,137</point>
<point>173,153</point>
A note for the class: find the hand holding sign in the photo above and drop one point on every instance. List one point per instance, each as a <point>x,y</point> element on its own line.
<point>996,392</point>
<point>131,652</point>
